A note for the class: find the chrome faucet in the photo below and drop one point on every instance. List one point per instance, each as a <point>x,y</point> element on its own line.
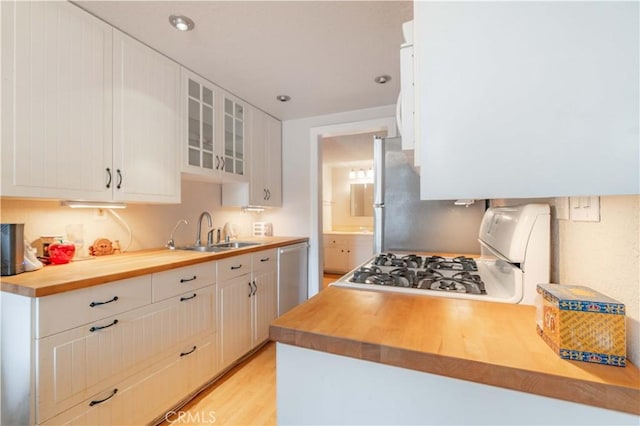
<point>171,244</point>
<point>198,230</point>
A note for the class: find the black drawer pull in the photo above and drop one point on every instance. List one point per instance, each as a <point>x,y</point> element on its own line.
<point>182,299</point>
<point>96,328</point>
<point>99,401</point>
<point>190,352</point>
<point>236,267</point>
<point>92,304</point>
<point>186,280</point>
<point>264,259</point>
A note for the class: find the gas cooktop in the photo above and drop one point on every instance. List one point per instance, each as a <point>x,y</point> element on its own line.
<point>458,274</point>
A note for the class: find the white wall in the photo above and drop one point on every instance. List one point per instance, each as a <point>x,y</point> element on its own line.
<point>299,214</point>
<point>605,256</point>
<point>151,225</point>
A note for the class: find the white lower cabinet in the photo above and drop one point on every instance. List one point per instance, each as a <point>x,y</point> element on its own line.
<point>150,394</point>
<point>343,252</point>
<point>126,352</point>
<point>80,362</point>
<point>248,303</point>
<point>235,319</point>
<point>264,302</point>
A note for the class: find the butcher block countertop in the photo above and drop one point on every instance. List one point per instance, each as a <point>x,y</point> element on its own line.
<point>55,279</point>
<point>484,342</point>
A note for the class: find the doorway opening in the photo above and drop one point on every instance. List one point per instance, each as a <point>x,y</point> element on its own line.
<point>347,137</point>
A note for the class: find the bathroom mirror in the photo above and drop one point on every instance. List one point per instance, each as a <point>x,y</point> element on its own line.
<point>361,199</point>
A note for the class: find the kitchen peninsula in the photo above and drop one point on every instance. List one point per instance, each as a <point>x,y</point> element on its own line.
<point>364,357</point>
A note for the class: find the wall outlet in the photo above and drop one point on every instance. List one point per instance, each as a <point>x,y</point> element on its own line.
<point>99,214</point>
<point>584,209</point>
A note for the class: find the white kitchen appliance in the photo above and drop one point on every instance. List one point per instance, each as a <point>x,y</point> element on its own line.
<point>515,257</point>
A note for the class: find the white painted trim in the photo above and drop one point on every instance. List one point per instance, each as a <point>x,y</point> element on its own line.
<point>387,124</point>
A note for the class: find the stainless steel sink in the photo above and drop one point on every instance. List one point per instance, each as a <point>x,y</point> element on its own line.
<point>204,249</point>
<point>219,247</point>
<point>235,244</point>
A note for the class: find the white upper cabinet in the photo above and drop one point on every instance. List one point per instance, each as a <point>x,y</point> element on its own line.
<point>527,99</point>
<point>233,144</point>
<point>56,102</point>
<point>88,113</point>
<point>266,159</point>
<point>200,156</point>
<point>146,123</point>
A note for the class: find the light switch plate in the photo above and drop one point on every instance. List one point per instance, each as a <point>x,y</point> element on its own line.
<point>584,209</point>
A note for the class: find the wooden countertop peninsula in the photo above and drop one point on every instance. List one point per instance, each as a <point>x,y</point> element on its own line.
<point>55,279</point>
<point>484,342</point>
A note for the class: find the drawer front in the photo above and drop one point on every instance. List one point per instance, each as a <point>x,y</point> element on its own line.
<point>64,311</point>
<point>264,260</point>
<point>234,267</point>
<point>331,240</point>
<point>82,361</point>
<point>177,281</point>
<point>146,396</point>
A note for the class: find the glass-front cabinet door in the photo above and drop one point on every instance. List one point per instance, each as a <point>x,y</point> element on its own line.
<point>199,154</point>
<point>234,149</point>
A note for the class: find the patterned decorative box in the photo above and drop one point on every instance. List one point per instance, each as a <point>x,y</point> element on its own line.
<point>581,324</point>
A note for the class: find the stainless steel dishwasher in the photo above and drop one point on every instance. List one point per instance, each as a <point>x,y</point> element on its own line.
<point>292,276</point>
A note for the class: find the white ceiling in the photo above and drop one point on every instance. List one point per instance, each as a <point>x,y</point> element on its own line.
<point>324,54</point>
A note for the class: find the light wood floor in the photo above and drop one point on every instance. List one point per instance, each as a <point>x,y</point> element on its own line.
<point>329,278</point>
<point>246,395</point>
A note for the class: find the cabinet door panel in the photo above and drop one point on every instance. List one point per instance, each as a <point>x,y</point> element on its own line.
<point>235,319</point>
<point>551,112</point>
<point>56,133</point>
<point>146,128</point>
<point>265,304</point>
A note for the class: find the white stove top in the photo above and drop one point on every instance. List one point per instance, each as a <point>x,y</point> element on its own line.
<point>501,281</point>
<point>515,256</point>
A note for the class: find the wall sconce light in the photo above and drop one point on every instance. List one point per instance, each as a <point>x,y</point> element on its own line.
<point>352,174</point>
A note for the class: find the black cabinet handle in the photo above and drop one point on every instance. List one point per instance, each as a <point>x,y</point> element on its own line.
<point>110,177</point>
<point>96,328</point>
<point>92,304</point>
<point>255,289</point>
<point>99,401</point>
<point>190,352</point>
<point>264,259</point>
<point>186,280</point>
<point>250,289</point>
<point>268,194</point>
<point>222,162</point>
<point>264,197</point>
<point>236,267</point>
<point>182,299</point>
<point>119,179</point>
<point>217,162</point>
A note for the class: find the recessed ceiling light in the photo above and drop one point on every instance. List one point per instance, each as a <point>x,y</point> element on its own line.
<point>181,23</point>
<point>382,79</point>
<point>283,98</point>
